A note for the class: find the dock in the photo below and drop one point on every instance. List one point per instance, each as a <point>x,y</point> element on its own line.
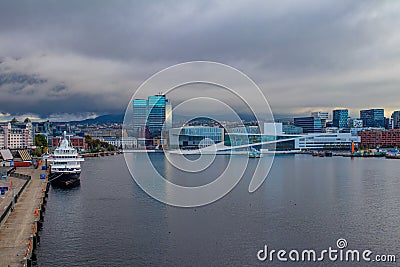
<point>19,228</point>
<point>99,154</point>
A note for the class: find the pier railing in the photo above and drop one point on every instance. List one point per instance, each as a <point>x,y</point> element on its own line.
<point>20,176</point>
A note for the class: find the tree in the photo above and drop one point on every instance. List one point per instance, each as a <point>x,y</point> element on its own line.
<point>37,152</point>
<point>41,141</point>
<point>95,145</point>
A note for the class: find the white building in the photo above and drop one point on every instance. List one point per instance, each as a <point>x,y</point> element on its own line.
<point>273,128</point>
<point>120,142</point>
<point>17,135</point>
<point>332,130</point>
<point>326,141</point>
<point>357,123</point>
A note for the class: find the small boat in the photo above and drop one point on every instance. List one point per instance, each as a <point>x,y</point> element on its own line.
<point>254,153</point>
<point>369,154</point>
<point>394,154</point>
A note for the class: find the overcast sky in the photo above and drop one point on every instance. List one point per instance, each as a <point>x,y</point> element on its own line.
<point>83,58</point>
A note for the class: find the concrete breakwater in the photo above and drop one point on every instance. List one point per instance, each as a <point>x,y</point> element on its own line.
<point>23,219</point>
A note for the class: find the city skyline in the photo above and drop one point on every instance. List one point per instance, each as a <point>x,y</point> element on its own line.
<point>349,59</point>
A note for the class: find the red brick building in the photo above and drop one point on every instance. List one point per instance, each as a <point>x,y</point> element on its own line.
<point>76,142</point>
<point>380,138</point>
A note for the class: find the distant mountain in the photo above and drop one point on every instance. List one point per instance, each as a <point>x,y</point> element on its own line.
<point>119,118</point>
<point>109,118</point>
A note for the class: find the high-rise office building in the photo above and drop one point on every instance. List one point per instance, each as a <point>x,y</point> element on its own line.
<point>340,118</point>
<point>139,117</point>
<point>151,116</point>
<point>310,124</point>
<point>373,118</point>
<point>159,112</point>
<point>396,119</point>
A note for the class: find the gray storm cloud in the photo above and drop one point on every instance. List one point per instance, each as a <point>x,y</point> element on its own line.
<point>88,57</point>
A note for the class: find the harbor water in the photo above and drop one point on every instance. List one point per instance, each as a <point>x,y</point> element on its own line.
<point>305,203</point>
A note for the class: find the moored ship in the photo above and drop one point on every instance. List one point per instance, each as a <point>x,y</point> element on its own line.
<point>65,169</point>
<point>393,154</point>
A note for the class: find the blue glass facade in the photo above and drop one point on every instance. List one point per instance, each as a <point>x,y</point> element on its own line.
<point>195,136</point>
<point>310,124</point>
<point>340,118</point>
<point>150,115</point>
<point>139,117</point>
<point>396,119</point>
<point>373,118</point>
<point>156,114</point>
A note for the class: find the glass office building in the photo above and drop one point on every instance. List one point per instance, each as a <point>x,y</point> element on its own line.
<point>373,118</point>
<point>310,124</point>
<point>149,116</point>
<point>194,137</point>
<point>396,119</point>
<point>156,114</point>
<point>340,118</point>
<point>139,117</point>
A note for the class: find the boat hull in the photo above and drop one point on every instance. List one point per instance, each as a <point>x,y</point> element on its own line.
<point>64,180</point>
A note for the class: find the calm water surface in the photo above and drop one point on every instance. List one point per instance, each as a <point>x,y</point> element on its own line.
<point>305,203</point>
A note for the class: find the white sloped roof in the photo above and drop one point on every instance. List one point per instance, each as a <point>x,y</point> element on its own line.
<point>6,154</point>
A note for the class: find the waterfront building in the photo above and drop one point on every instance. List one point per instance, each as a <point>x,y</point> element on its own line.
<point>195,136</point>
<point>326,141</point>
<point>373,118</point>
<point>273,128</point>
<point>243,129</point>
<point>388,123</point>
<point>340,118</point>
<point>151,116</point>
<point>157,114</point>
<point>284,142</point>
<point>310,124</point>
<point>355,131</point>
<point>120,142</point>
<point>396,119</point>
<point>356,123</point>
<point>127,143</point>
<point>291,129</point>
<point>17,135</point>
<point>380,138</point>
<point>140,110</point>
<point>331,130</point>
<point>320,114</point>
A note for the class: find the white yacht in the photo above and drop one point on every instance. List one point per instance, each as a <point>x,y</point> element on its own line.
<point>65,169</point>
